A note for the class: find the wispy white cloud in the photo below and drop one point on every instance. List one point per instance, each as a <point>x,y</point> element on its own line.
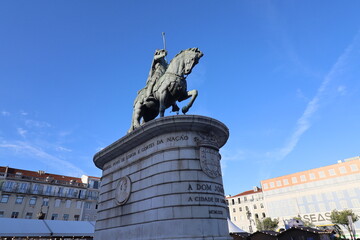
<point>301,95</point>
<point>63,149</point>
<point>62,166</point>
<point>22,132</point>
<point>37,124</point>
<point>342,90</point>
<point>5,113</point>
<point>22,112</point>
<point>65,133</point>
<point>228,155</point>
<point>304,122</point>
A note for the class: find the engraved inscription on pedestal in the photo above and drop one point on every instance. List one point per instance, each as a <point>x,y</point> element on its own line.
<point>210,161</point>
<point>123,190</point>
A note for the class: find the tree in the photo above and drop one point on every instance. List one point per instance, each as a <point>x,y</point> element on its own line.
<point>342,218</point>
<point>267,224</point>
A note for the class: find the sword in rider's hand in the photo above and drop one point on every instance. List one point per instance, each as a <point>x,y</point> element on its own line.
<point>164,42</point>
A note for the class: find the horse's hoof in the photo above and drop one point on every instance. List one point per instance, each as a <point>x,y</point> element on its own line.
<point>185,110</point>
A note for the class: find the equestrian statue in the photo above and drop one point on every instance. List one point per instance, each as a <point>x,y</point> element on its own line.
<point>166,84</point>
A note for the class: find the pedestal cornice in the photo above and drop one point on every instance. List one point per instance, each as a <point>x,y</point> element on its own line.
<point>161,126</point>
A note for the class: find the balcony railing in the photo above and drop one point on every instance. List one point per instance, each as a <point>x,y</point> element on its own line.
<point>45,180</point>
<point>54,193</point>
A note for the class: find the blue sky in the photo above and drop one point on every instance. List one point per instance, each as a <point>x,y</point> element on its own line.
<point>282,75</point>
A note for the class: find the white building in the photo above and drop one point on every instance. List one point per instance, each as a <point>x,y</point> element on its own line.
<point>246,207</point>
<point>31,195</point>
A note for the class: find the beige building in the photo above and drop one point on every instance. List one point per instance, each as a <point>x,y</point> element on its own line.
<point>246,207</point>
<point>32,195</point>
<point>313,194</point>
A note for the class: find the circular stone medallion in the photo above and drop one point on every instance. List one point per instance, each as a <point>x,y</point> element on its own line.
<point>210,161</point>
<point>123,190</point>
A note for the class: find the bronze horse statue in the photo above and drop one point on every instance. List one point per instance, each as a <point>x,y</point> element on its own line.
<point>168,89</point>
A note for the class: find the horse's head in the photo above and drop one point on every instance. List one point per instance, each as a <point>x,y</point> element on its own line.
<point>191,57</point>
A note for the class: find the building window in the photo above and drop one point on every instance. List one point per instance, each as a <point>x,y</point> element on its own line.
<point>68,203</point>
<point>78,204</point>
<point>311,176</point>
<point>265,186</point>
<point>263,215</point>
<point>66,217</point>
<point>240,209</point>
<point>94,184</point>
<point>32,201</point>
<point>232,201</point>
<point>4,198</point>
<point>87,205</point>
<point>70,192</point>
<point>256,215</point>
<point>294,180</point>
<point>354,168</point>
<point>54,216</point>
<point>239,200</point>
<point>322,174</point>
<point>272,185</point>
<point>76,217</point>
<point>28,215</point>
<point>278,183</point>
<point>261,205</point>
<point>303,178</point>
<point>234,210</point>
<point>245,199</point>
<point>332,172</point>
<point>36,188</point>
<point>23,187</point>
<point>45,202</point>
<point>235,219</point>
<point>60,191</point>
<point>9,186</point>
<point>255,207</point>
<point>19,199</point>
<point>286,182</point>
<point>246,208</point>
<point>48,190</point>
<point>57,202</point>
<point>1,214</point>
<point>342,170</point>
<point>14,214</point>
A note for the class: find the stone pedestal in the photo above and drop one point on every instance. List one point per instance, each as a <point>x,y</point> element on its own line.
<point>163,181</point>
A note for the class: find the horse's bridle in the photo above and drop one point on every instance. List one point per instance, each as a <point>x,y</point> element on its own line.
<point>177,75</point>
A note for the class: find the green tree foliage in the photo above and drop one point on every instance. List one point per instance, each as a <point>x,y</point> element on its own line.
<point>267,224</point>
<point>341,218</point>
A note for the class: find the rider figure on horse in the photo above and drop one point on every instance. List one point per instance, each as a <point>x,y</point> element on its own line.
<point>158,68</point>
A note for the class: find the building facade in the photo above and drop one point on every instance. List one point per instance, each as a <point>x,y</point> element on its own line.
<point>313,194</point>
<point>39,195</point>
<point>245,208</point>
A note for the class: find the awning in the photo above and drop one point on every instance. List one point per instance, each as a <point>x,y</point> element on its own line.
<point>14,227</point>
<point>233,228</point>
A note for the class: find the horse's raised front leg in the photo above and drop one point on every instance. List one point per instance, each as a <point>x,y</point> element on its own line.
<point>193,94</point>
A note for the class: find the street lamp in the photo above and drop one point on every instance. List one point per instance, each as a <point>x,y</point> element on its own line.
<point>248,214</point>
